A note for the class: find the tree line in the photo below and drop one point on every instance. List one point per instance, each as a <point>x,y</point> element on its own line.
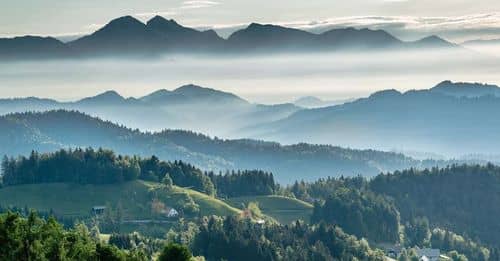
<point>102,166</point>
<point>243,183</point>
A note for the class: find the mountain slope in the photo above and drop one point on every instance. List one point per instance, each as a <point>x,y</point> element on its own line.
<point>122,35</point>
<point>463,89</point>
<point>61,129</point>
<point>71,200</point>
<point>180,37</point>
<point>350,38</point>
<point>437,120</point>
<point>188,107</point>
<point>284,210</point>
<point>258,36</point>
<point>32,47</point>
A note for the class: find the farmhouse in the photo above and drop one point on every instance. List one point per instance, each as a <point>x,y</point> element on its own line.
<point>171,212</point>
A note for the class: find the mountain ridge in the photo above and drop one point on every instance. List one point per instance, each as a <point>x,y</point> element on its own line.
<point>127,36</point>
<point>420,120</point>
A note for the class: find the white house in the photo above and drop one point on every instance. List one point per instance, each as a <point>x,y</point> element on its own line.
<point>172,213</point>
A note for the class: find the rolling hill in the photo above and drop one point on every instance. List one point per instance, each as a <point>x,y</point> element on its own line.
<point>283,209</point>
<point>77,200</point>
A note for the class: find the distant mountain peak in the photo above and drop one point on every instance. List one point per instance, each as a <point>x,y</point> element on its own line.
<point>450,84</point>
<point>386,94</point>
<point>465,89</point>
<point>110,95</point>
<point>195,91</point>
<point>159,21</point>
<point>255,25</point>
<point>434,41</point>
<point>125,21</point>
<point>158,95</point>
<point>105,98</point>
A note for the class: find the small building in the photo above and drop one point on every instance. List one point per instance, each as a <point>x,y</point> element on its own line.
<point>98,210</point>
<point>172,212</point>
<point>428,254</point>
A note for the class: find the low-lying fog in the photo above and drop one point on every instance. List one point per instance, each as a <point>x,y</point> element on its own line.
<point>264,79</point>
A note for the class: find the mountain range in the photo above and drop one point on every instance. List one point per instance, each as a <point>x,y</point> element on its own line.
<point>451,119</point>
<point>189,107</point>
<point>127,36</point>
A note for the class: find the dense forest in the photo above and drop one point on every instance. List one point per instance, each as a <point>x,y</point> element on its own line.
<point>231,238</point>
<point>362,214</point>
<point>437,207</point>
<point>462,198</point>
<point>425,208</point>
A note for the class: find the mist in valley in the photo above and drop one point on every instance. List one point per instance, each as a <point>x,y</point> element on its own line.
<point>267,85</point>
<point>266,79</point>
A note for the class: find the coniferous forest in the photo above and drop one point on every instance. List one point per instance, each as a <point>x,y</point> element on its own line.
<point>404,207</point>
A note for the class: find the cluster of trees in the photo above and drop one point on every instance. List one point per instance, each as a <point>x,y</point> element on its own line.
<point>459,198</point>
<point>323,187</point>
<point>449,241</point>
<point>362,214</point>
<point>33,238</point>
<point>232,238</point>
<point>243,183</point>
<point>181,173</point>
<point>135,242</point>
<point>101,166</point>
<point>82,166</point>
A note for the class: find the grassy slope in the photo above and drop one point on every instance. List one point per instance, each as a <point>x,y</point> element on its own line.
<point>77,200</point>
<point>284,210</point>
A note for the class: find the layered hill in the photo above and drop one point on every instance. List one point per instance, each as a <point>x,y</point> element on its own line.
<point>188,107</point>
<point>48,131</point>
<point>449,119</point>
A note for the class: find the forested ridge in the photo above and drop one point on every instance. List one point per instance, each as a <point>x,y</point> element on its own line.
<point>102,166</point>
<point>54,130</point>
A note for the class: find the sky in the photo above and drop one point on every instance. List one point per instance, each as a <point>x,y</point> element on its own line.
<point>456,20</point>
<point>261,80</point>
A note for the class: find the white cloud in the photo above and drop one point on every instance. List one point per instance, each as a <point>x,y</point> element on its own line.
<point>195,4</point>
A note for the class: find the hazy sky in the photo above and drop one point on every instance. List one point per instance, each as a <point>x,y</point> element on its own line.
<point>454,19</point>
